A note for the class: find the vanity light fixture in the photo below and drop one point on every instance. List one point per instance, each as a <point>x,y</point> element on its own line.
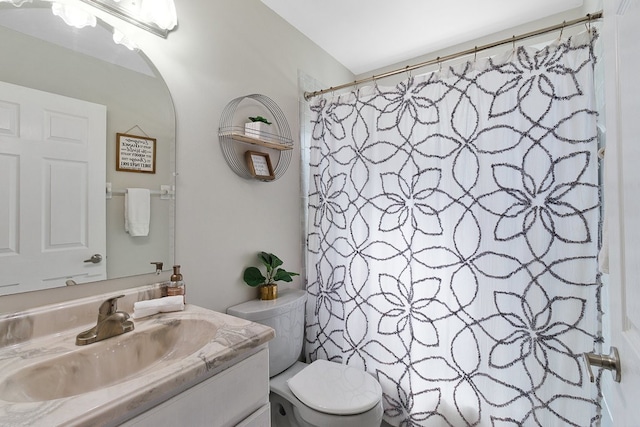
<point>70,14</point>
<point>156,16</point>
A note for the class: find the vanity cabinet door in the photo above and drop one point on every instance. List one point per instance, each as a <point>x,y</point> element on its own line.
<point>229,398</point>
<point>260,418</point>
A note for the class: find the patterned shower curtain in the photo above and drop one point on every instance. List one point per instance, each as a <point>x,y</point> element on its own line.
<point>453,234</point>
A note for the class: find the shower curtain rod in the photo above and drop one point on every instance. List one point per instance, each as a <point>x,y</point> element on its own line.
<point>588,18</point>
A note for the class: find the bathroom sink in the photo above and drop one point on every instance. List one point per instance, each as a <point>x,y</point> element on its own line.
<point>47,380</point>
<point>150,346</point>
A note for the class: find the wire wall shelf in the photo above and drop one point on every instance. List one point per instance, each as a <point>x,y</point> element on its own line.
<point>235,141</point>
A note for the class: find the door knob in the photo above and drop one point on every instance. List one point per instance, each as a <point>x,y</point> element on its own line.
<point>610,362</point>
<point>96,258</point>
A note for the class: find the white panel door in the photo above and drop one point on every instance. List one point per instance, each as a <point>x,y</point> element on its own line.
<point>622,204</point>
<point>52,178</point>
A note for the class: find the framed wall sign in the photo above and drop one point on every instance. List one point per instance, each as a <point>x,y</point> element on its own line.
<point>259,165</point>
<point>135,153</point>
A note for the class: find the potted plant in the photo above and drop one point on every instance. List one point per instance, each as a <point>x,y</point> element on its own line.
<point>257,127</point>
<point>266,284</point>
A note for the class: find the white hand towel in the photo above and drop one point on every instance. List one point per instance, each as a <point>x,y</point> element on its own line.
<point>158,305</point>
<point>137,211</point>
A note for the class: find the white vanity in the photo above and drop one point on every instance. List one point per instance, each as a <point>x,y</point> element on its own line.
<point>194,368</point>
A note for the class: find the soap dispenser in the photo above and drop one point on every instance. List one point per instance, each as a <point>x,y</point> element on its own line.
<point>176,284</point>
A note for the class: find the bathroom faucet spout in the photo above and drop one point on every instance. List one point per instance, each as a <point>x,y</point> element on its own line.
<point>111,323</point>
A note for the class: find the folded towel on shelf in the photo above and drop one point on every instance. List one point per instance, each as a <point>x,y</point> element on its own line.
<point>137,211</point>
<point>158,305</point>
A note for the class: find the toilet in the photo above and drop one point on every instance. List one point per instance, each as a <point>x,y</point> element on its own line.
<point>320,394</point>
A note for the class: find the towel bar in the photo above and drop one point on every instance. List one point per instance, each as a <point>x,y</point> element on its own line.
<point>166,192</point>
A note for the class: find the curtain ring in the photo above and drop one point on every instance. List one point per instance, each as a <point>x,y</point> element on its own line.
<point>562,29</point>
<point>439,64</point>
<point>513,42</point>
<point>375,82</point>
<point>333,94</point>
<point>475,54</point>
<point>408,71</point>
<point>355,87</point>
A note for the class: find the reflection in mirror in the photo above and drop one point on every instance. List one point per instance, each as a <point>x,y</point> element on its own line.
<point>47,223</point>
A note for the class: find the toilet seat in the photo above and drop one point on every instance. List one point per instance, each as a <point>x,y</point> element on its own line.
<point>337,389</point>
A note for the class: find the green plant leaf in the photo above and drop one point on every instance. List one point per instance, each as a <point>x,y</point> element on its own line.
<point>270,260</point>
<point>253,277</point>
<point>259,119</point>
<point>284,275</point>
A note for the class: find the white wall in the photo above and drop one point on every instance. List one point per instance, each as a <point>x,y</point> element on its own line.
<point>222,50</point>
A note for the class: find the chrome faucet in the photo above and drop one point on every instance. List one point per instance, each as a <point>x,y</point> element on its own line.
<point>111,322</point>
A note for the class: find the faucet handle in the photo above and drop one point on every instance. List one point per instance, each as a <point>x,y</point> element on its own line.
<point>108,307</point>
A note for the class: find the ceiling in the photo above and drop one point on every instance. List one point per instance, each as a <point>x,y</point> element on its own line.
<point>382,32</point>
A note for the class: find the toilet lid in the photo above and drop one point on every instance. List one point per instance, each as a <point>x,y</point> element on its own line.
<point>337,389</point>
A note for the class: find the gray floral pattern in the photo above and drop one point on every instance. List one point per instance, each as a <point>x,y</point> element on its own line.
<point>453,239</point>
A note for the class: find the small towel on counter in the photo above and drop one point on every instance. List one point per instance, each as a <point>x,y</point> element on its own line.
<point>158,305</point>
<point>137,211</point>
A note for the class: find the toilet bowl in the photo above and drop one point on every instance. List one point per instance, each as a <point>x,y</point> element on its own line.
<point>311,413</point>
<point>320,394</point>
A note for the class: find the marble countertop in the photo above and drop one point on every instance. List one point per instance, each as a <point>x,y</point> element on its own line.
<point>228,340</point>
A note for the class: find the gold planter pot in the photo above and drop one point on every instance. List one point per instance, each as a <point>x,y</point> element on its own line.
<point>268,292</point>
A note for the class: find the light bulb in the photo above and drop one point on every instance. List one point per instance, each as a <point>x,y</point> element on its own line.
<point>73,16</point>
<point>120,38</point>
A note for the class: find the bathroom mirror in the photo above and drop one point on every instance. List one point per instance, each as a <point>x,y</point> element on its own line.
<point>41,52</point>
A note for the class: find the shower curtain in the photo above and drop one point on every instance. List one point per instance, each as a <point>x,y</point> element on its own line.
<point>453,233</point>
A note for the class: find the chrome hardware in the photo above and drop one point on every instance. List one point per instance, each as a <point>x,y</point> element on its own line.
<point>95,258</point>
<point>70,282</point>
<point>610,362</point>
<point>111,322</point>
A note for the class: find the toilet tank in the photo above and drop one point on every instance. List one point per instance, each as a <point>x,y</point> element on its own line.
<point>285,314</point>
